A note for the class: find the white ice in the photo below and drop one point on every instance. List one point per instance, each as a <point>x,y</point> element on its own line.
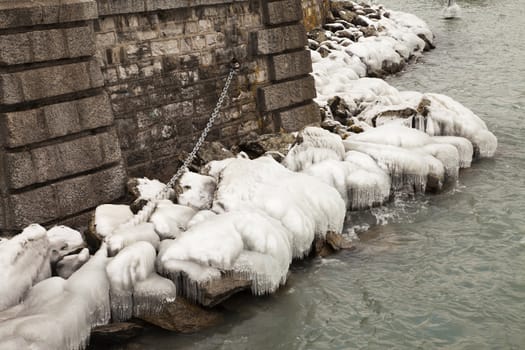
<point>24,261</point>
<point>71,263</point>
<point>196,190</point>
<point>171,219</point>
<point>149,189</point>
<point>108,217</point>
<point>127,235</point>
<point>64,240</point>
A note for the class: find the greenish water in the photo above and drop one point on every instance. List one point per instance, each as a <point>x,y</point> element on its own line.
<point>441,271</point>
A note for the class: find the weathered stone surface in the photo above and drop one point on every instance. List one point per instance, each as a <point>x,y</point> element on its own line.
<point>267,143</point>
<point>183,317</point>
<point>216,291</point>
<point>66,197</point>
<point>284,11</point>
<point>46,45</point>
<point>332,243</point>
<point>21,13</point>
<point>63,159</point>
<point>297,118</point>
<point>212,151</point>
<point>290,65</point>
<point>45,82</point>
<point>35,125</point>
<point>286,94</point>
<point>277,40</point>
<point>115,333</point>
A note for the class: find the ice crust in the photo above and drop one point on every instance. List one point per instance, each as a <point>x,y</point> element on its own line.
<point>58,313</point>
<point>24,261</point>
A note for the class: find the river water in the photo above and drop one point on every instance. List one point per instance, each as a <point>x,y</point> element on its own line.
<point>435,271</point>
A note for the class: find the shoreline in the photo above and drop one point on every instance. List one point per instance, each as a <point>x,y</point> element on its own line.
<point>312,141</point>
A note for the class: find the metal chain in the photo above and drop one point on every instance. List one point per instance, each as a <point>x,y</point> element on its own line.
<point>145,213</point>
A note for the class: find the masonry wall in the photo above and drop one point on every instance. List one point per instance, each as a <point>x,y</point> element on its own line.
<point>314,13</point>
<point>93,91</point>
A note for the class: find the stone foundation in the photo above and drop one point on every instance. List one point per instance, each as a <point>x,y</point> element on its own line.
<point>92,91</point>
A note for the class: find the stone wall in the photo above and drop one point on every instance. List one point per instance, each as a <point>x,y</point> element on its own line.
<point>94,90</point>
<point>314,13</point>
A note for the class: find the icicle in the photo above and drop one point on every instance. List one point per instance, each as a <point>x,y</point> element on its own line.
<point>314,145</point>
<point>171,219</point>
<point>408,170</point>
<point>132,264</point>
<point>453,119</point>
<point>152,294</point>
<point>463,146</point>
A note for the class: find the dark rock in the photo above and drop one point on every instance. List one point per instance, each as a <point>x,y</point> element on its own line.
<point>324,51</point>
<point>359,21</point>
<point>266,143</point>
<point>211,151</point>
<point>332,243</point>
<point>422,108</point>
<point>355,129</point>
<point>318,35</point>
<point>215,292</point>
<point>428,45</point>
<point>183,317</point>
<point>347,15</point>
<point>375,15</point>
<point>114,333</point>
<point>339,109</point>
<point>93,239</point>
<point>368,31</point>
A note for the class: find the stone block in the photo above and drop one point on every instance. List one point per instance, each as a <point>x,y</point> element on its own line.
<point>23,13</point>
<point>66,198</point>
<point>52,162</point>
<point>280,39</point>
<point>36,206</point>
<point>297,118</point>
<point>113,7</point>
<point>285,94</point>
<point>284,11</point>
<point>35,84</point>
<point>289,65</point>
<point>48,122</point>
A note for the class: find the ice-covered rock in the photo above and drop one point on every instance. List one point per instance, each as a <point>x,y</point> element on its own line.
<point>24,261</point>
<point>135,286</point>
<point>71,263</point>
<point>127,235</point>
<point>58,313</point>
<point>146,189</point>
<point>63,241</point>
<point>107,218</point>
<point>195,190</point>
<point>313,145</point>
<point>171,219</point>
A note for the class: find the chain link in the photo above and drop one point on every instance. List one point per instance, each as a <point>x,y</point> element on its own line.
<point>145,213</point>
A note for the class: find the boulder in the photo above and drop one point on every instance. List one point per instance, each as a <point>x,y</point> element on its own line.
<point>332,243</point>
<point>211,151</point>
<point>114,333</point>
<point>262,144</point>
<point>183,317</point>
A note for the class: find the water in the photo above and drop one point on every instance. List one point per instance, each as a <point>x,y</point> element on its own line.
<point>440,271</point>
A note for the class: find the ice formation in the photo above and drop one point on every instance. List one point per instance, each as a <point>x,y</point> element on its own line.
<point>24,261</point>
<point>148,189</point>
<point>135,286</point>
<point>127,235</point>
<point>452,10</point>
<point>314,145</point>
<point>224,243</point>
<point>63,241</point>
<point>195,190</point>
<point>108,217</point>
<point>171,219</point>
<point>58,313</point>
<point>71,263</point>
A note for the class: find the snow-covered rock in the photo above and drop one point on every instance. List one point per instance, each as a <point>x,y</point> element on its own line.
<point>24,261</point>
